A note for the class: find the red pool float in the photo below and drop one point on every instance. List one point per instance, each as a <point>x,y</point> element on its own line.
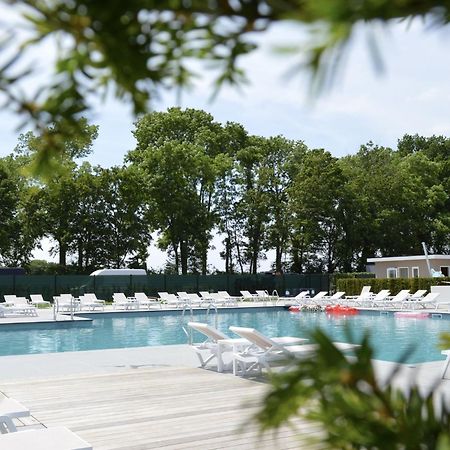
<point>338,309</point>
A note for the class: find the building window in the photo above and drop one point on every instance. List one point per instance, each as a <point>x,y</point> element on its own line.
<point>403,272</point>
<point>392,272</point>
<point>445,271</point>
<point>415,272</point>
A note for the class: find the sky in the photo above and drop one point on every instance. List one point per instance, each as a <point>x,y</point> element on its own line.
<point>411,95</point>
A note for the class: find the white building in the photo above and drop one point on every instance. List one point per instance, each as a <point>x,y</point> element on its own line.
<point>408,266</point>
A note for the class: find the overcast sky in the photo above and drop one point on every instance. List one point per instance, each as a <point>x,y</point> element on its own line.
<point>412,95</point>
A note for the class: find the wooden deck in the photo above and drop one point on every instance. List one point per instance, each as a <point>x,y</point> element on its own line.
<point>170,408</point>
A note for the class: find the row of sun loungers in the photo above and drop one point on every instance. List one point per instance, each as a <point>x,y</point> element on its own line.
<point>54,438</point>
<point>367,299</point>
<point>21,306</point>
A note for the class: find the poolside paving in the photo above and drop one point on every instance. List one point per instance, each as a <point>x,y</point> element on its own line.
<point>156,397</point>
<point>171,408</point>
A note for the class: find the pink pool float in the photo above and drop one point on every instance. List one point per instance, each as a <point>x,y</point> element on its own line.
<point>412,314</point>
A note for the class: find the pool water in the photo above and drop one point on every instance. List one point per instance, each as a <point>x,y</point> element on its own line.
<point>391,337</point>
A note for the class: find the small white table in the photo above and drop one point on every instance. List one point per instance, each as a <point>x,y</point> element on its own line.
<point>224,344</point>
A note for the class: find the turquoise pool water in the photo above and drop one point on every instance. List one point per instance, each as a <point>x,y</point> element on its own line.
<point>390,336</point>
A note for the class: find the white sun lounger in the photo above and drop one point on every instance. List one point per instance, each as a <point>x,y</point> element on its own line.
<point>66,303</point>
<point>172,300</point>
<point>212,298</point>
<point>229,299</point>
<point>218,343</point>
<point>357,299</point>
<point>417,295</point>
<point>145,301</point>
<point>379,298</point>
<point>397,301</point>
<point>262,294</point>
<point>295,300</point>
<point>265,351</point>
<point>37,299</point>
<point>219,300</point>
<point>246,295</point>
<point>89,303</point>
<point>429,302</point>
<point>120,300</point>
<point>203,302</point>
<point>314,301</point>
<point>265,296</point>
<point>55,438</point>
<point>332,299</point>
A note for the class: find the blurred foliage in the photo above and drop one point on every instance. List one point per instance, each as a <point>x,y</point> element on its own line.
<point>138,48</point>
<point>354,409</point>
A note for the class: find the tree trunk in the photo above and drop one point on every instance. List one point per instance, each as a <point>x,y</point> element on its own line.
<point>227,255</point>
<point>80,256</point>
<point>204,257</point>
<point>238,250</point>
<point>278,258</point>
<point>175,251</point>
<point>184,257</point>
<point>62,254</point>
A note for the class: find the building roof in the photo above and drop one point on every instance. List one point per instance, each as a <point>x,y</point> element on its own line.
<point>407,258</point>
<point>119,272</point>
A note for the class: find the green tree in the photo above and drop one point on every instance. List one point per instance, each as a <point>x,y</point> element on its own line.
<point>428,159</point>
<point>19,218</point>
<point>317,198</point>
<point>231,218</point>
<point>126,234</point>
<point>106,226</point>
<point>398,201</point>
<point>58,197</point>
<point>280,167</point>
<point>180,154</point>
<point>253,199</point>
<point>59,201</point>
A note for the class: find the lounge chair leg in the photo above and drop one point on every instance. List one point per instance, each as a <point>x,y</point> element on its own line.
<point>7,425</point>
<point>446,364</point>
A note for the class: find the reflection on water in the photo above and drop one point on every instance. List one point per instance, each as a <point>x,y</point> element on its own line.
<point>390,336</point>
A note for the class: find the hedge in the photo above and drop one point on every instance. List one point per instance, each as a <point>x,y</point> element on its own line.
<point>353,286</point>
<point>335,277</point>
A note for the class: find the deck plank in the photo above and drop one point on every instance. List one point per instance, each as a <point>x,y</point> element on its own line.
<point>160,408</point>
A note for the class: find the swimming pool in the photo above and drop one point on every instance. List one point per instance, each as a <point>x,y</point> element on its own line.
<point>390,336</point>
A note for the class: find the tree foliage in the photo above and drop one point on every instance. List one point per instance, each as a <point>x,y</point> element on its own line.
<point>181,156</point>
<point>18,215</point>
<point>138,48</point>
